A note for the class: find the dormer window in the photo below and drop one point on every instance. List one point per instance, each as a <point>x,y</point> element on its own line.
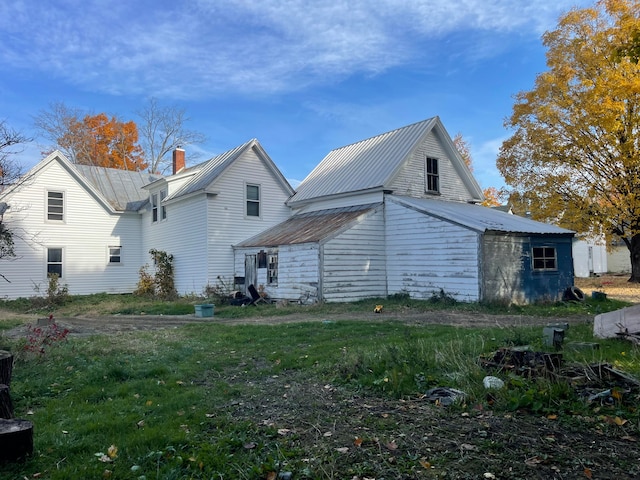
<point>432,177</point>
<point>158,211</point>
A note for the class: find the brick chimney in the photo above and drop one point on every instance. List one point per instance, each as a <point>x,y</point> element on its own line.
<point>178,160</point>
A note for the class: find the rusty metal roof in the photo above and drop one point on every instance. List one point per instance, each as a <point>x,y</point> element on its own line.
<point>309,227</point>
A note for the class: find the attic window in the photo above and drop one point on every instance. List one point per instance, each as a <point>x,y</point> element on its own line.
<point>432,178</point>
<point>55,206</point>
<point>253,200</point>
<point>544,258</point>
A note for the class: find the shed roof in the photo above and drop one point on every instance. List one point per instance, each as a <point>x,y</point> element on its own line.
<point>121,188</point>
<point>373,163</point>
<point>479,218</point>
<point>308,227</point>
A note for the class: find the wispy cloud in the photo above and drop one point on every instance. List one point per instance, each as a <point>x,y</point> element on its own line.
<point>209,47</point>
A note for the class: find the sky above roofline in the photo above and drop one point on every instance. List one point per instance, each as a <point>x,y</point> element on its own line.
<point>303,77</point>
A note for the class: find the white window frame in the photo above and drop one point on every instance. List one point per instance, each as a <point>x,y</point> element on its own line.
<point>154,208</point>
<point>111,255</point>
<point>431,179</point>
<point>163,208</point>
<point>248,200</point>
<point>47,262</point>
<point>48,212</point>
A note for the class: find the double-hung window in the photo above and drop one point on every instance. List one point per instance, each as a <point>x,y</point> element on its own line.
<point>158,210</point>
<point>55,206</point>
<point>432,176</point>
<point>253,200</point>
<point>115,255</point>
<point>154,207</point>
<point>163,208</point>
<point>54,262</point>
<point>544,259</point>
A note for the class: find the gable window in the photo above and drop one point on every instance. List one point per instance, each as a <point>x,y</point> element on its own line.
<point>115,255</point>
<point>432,177</point>
<point>253,200</point>
<point>55,206</point>
<point>272,269</point>
<point>54,261</point>
<point>544,258</point>
<point>163,208</point>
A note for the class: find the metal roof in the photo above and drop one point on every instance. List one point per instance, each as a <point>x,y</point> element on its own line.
<point>121,188</point>
<point>479,218</point>
<point>308,227</point>
<point>363,165</point>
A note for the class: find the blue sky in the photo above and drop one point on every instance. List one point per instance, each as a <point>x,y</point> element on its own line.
<point>303,77</point>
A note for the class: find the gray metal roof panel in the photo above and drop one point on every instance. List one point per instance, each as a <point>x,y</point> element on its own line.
<point>308,227</point>
<point>480,218</point>
<point>363,165</point>
<point>121,188</point>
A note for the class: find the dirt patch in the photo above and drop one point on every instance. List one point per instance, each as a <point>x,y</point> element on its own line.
<point>614,286</point>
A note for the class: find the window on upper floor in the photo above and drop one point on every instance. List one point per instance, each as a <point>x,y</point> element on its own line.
<point>253,200</point>
<point>544,258</point>
<point>54,262</point>
<point>154,207</point>
<point>55,206</point>
<point>115,257</point>
<point>163,208</point>
<point>432,176</point>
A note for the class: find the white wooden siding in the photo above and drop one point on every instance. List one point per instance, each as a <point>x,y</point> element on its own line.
<point>184,235</point>
<point>298,270</point>
<point>426,255</point>
<point>354,262</point>
<point>85,235</point>
<point>227,224</point>
<point>411,179</point>
<point>348,201</point>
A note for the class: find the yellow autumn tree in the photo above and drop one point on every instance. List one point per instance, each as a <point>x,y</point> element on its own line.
<point>574,156</point>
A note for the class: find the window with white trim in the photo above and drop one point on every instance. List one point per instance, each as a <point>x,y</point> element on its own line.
<point>432,176</point>
<point>253,200</point>
<point>55,206</point>
<point>115,255</point>
<point>163,208</point>
<point>544,258</point>
<point>54,262</point>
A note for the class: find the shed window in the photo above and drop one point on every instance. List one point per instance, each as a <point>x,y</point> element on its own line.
<point>272,269</point>
<point>544,258</point>
<point>432,177</point>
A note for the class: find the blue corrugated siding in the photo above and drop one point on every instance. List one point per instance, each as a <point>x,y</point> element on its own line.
<point>538,286</point>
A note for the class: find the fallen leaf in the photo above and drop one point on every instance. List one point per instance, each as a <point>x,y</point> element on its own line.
<point>391,445</point>
<point>342,449</point>
<point>468,446</point>
<point>250,445</point>
<point>140,424</point>
<point>588,473</point>
<point>283,431</point>
<point>619,421</point>
<point>358,442</point>
<point>533,461</point>
<point>107,474</point>
<point>112,451</point>
<point>629,438</point>
<point>425,463</point>
<point>327,434</point>
<point>271,476</point>
<point>552,417</point>
<point>209,415</point>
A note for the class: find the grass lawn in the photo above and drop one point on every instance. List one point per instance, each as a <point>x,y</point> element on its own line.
<point>322,400</point>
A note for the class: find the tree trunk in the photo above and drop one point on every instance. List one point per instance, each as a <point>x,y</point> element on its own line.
<point>16,440</point>
<point>6,406</point>
<point>634,251</point>
<point>6,367</point>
